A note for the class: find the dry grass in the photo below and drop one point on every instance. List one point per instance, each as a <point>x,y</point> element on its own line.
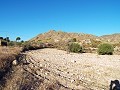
<point>18,78</point>
<point>7,54</point>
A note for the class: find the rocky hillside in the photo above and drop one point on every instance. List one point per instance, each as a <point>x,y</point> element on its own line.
<point>89,42</point>
<point>113,38</point>
<point>55,36</point>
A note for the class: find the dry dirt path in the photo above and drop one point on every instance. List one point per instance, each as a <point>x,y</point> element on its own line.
<point>74,71</point>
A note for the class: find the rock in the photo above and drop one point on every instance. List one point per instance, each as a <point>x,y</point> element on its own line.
<point>68,72</point>
<point>46,73</point>
<point>31,65</point>
<point>72,81</point>
<point>38,72</point>
<point>15,62</point>
<point>73,61</point>
<point>41,65</point>
<point>24,62</point>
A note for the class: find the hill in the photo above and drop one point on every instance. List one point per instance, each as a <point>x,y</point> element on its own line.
<point>60,39</point>
<point>113,38</point>
<point>55,36</point>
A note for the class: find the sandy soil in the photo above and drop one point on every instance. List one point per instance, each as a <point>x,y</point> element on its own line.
<point>75,71</point>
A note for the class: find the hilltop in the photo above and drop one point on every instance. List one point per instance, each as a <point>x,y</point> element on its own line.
<point>55,36</point>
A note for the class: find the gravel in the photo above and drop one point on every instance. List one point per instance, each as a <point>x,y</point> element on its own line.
<point>84,71</point>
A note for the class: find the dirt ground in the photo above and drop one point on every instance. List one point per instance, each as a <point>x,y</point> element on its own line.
<point>84,71</point>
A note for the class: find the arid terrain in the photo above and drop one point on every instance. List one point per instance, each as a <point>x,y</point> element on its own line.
<point>89,42</point>
<point>73,71</point>
<point>56,36</point>
<point>46,62</point>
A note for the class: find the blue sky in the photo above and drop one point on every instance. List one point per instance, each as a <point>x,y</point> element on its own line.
<point>28,18</point>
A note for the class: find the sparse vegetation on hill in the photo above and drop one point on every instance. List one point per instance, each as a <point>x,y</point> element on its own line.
<point>56,36</point>
<point>113,38</point>
<point>90,42</point>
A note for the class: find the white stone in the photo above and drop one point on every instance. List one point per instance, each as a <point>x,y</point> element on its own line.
<point>41,65</point>
<point>38,72</point>
<point>73,61</point>
<point>72,81</point>
<point>46,73</point>
<point>15,62</point>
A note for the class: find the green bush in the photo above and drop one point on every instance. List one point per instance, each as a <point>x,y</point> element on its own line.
<point>75,47</point>
<point>105,49</point>
<point>32,46</point>
<point>28,47</point>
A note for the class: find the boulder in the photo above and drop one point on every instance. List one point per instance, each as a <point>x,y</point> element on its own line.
<point>15,62</point>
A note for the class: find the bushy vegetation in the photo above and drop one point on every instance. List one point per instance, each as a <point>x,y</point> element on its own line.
<point>32,46</point>
<point>29,47</point>
<point>105,49</point>
<point>75,47</point>
<point>14,43</point>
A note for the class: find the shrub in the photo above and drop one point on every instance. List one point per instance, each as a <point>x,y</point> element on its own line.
<point>105,49</point>
<point>32,46</point>
<point>11,43</point>
<point>75,47</point>
<point>74,40</point>
<point>28,47</point>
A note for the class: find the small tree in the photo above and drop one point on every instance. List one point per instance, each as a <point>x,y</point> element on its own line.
<point>105,49</point>
<point>17,39</point>
<point>1,38</point>
<point>22,41</point>
<point>75,47</point>
<point>7,39</point>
